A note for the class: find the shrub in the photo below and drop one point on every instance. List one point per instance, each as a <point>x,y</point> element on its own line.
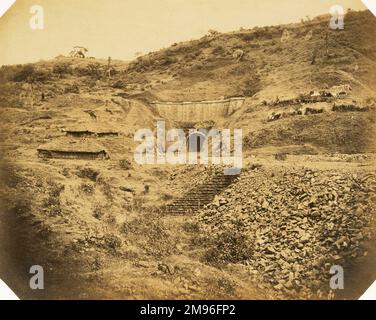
<point>106,189</point>
<point>10,95</point>
<point>119,84</point>
<point>62,69</point>
<point>52,202</point>
<point>26,73</point>
<point>98,212</point>
<point>94,70</point>
<point>6,73</point>
<point>280,156</point>
<point>22,207</point>
<point>87,188</point>
<point>125,164</point>
<point>252,85</point>
<point>151,233</point>
<point>230,246</point>
<point>168,61</point>
<point>88,173</point>
<point>212,32</point>
<point>41,76</point>
<point>72,89</point>
<point>219,51</point>
<point>113,241</point>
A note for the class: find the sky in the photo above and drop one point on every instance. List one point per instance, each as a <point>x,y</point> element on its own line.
<point>120,28</point>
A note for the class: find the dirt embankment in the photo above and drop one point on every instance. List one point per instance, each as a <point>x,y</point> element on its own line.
<point>26,241</point>
<point>328,133</point>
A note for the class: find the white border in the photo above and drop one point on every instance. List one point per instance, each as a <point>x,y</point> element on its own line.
<point>5,5</point>
<point>370,294</point>
<point>371,5</point>
<point>6,293</point>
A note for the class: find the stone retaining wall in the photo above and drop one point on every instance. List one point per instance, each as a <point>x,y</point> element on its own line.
<point>198,111</point>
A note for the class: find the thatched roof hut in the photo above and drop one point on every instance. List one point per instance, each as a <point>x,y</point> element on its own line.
<point>90,129</point>
<point>66,148</point>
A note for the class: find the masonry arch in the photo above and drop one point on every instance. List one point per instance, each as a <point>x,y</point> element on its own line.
<point>196,141</point>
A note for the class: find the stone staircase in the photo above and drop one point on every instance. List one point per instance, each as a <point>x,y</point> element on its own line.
<point>199,196</point>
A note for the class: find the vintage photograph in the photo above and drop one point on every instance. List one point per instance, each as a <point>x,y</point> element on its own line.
<point>187,150</point>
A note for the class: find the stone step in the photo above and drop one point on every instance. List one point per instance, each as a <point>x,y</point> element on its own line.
<point>199,196</point>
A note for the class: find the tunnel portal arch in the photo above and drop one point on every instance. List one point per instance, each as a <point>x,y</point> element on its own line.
<point>196,141</point>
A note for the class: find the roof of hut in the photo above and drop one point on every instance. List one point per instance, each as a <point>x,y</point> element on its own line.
<point>65,144</point>
<point>97,127</point>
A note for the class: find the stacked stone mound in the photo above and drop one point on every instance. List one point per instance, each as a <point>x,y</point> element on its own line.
<point>200,195</point>
<point>297,224</point>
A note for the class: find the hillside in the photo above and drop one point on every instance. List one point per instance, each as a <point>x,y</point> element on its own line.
<point>313,58</point>
<point>205,68</point>
<point>306,148</point>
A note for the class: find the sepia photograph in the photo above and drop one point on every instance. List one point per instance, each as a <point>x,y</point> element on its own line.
<point>202,150</point>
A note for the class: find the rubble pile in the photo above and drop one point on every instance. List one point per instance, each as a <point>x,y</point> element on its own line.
<point>298,223</point>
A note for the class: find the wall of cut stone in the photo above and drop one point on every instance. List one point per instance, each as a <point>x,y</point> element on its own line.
<point>198,111</point>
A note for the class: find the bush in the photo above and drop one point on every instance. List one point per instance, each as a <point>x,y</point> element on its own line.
<point>62,69</point>
<point>168,61</point>
<point>125,164</point>
<point>87,188</point>
<point>113,241</point>
<point>7,73</point>
<point>98,212</point>
<point>26,73</point>
<point>280,156</point>
<point>93,70</point>
<point>52,202</point>
<point>72,89</point>
<point>88,173</point>
<point>219,51</point>
<point>119,84</point>
<point>212,32</point>
<point>151,233</point>
<point>10,95</point>
<point>22,207</point>
<point>230,246</point>
<point>41,75</point>
<point>252,85</point>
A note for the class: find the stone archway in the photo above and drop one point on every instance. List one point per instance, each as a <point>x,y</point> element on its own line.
<point>196,141</point>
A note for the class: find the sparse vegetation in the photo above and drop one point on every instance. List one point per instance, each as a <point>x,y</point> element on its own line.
<point>229,246</point>
<point>87,188</point>
<point>72,89</point>
<point>125,164</point>
<point>62,69</point>
<point>113,211</point>
<point>151,234</point>
<point>26,73</point>
<point>51,204</point>
<point>88,173</point>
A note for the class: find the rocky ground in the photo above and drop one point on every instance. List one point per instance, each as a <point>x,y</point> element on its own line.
<point>290,225</point>
<point>303,202</point>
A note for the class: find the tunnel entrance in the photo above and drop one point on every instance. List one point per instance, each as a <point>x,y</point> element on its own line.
<point>196,141</point>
